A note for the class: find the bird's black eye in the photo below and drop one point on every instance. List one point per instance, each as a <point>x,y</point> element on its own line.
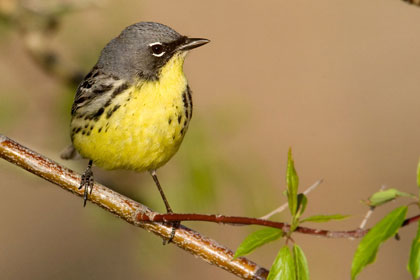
<point>157,49</point>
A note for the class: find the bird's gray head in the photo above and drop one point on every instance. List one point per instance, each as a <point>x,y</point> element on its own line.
<point>142,49</point>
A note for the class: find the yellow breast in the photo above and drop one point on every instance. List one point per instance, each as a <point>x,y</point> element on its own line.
<point>143,127</point>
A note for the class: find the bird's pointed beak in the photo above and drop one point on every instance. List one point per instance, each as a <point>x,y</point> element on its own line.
<point>192,43</point>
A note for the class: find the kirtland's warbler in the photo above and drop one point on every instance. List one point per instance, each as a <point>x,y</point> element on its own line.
<point>133,108</point>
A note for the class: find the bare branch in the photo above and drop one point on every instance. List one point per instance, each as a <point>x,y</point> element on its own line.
<point>127,209</point>
<point>234,220</point>
<point>366,218</point>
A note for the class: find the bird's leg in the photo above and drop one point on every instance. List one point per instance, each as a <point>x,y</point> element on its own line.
<point>176,224</point>
<point>87,182</point>
<point>162,194</point>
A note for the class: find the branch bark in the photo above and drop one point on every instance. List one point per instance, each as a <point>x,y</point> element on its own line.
<point>125,208</point>
<point>139,215</point>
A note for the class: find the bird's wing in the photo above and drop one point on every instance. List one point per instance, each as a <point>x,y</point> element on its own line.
<point>95,91</point>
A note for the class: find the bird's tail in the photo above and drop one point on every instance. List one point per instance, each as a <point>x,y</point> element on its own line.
<point>70,153</point>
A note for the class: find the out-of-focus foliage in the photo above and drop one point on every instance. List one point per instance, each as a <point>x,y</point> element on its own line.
<point>369,246</point>
<point>414,261</point>
<point>385,196</point>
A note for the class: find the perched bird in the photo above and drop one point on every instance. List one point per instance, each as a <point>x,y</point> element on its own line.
<point>133,108</point>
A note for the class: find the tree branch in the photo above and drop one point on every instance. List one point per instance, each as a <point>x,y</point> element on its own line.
<point>141,216</point>
<point>356,233</point>
<point>205,248</point>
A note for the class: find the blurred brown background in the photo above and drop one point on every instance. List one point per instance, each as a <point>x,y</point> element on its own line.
<point>338,81</point>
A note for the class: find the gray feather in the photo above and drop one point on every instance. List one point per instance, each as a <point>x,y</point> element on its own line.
<point>128,55</point>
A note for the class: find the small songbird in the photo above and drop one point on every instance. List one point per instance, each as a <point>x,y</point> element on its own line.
<point>133,108</point>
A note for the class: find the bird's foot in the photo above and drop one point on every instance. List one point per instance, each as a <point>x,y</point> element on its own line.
<point>175,225</point>
<point>87,183</point>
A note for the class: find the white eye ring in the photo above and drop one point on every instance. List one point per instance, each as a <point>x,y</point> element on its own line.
<point>157,49</point>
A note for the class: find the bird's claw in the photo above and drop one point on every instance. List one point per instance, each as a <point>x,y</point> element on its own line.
<point>175,225</point>
<point>87,183</point>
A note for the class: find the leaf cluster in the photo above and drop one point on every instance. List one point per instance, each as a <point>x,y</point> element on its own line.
<point>291,262</point>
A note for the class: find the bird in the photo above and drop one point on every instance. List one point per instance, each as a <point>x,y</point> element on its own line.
<point>132,110</point>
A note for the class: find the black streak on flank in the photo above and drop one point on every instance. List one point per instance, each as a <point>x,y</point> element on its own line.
<point>75,131</point>
<point>184,100</point>
<point>95,116</point>
<point>182,131</point>
<point>98,114</point>
<point>185,123</point>
<point>100,129</point>
<point>169,120</point>
<point>190,100</point>
<point>119,89</point>
<point>179,119</point>
<point>110,112</point>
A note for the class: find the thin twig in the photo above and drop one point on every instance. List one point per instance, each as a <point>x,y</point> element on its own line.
<point>284,206</point>
<point>366,218</point>
<point>369,213</point>
<point>235,220</point>
<point>127,209</point>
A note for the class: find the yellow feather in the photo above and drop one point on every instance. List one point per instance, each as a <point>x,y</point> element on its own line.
<point>144,132</point>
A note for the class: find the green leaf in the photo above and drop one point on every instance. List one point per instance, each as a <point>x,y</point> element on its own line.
<point>292,181</point>
<point>283,267</point>
<point>418,174</point>
<point>384,196</point>
<point>414,262</point>
<point>302,270</point>
<point>324,218</point>
<point>368,247</point>
<point>302,201</point>
<point>257,239</point>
